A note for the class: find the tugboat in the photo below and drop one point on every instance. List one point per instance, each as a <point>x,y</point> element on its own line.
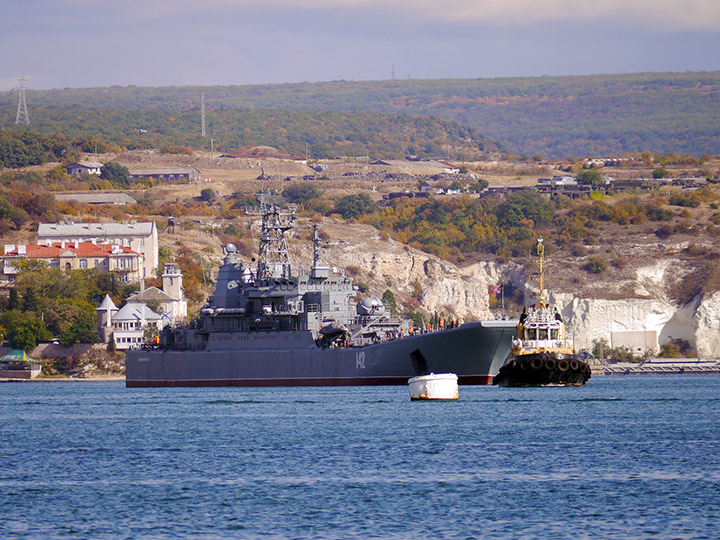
<point>541,355</point>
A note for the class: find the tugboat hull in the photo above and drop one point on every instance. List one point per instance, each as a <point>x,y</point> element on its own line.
<point>543,369</point>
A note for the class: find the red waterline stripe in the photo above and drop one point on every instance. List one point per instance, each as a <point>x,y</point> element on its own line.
<point>358,381</point>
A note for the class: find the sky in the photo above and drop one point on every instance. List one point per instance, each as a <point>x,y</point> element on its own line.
<point>87,43</point>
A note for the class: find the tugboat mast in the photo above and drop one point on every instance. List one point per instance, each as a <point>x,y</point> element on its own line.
<point>541,261</point>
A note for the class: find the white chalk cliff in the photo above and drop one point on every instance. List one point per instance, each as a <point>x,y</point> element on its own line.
<point>463,291</point>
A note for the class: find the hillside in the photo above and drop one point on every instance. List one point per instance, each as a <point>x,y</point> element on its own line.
<point>550,116</point>
<point>633,260</point>
<point>316,134</point>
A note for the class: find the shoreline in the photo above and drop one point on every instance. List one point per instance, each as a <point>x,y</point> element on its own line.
<point>94,378</point>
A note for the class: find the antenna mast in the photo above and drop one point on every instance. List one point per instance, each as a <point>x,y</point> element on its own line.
<point>202,114</point>
<point>273,255</point>
<point>22,116</point>
<point>541,264</point>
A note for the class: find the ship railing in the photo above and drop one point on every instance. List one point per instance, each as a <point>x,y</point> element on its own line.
<point>369,319</point>
<point>540,343</point>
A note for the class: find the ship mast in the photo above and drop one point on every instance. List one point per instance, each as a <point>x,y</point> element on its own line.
<point>273,253</point>
<point>541,262</point>
<point>316,247</point>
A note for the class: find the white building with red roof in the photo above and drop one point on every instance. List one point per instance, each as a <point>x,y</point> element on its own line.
<point>105,258</point>
<point>141,237</point>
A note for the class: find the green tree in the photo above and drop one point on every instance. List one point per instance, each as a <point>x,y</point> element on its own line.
<point>525,204</point>
<point>164,257</point>
<point>24,329</point>
<point>481,185</point>
<point>84,327</point>
<point>6,208</point>
<point>301,193</point>
<point>660,173</point>
<point>19,217</point>
<point>207,195</point>
<point>354,206</point>
<point>590,177</point>
<point>116,173</point>
<point>388,298</point>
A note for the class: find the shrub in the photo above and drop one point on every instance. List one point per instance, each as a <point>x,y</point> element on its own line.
<point>182,150</point>
<point>684,200</point>
<point>595,265</point>
<point>207,195</point>
<point>301,193</point>
<point>664,232</point>
<point>578,250</point>
<point>619,263</point>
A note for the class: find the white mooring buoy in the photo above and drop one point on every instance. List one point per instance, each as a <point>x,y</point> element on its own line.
<point>442,386</point>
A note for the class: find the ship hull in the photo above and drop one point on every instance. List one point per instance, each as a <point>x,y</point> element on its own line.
<point>474,351</point>
<point>543,369</point>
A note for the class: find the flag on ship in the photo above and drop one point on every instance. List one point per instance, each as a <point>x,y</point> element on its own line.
<point>496,290</point>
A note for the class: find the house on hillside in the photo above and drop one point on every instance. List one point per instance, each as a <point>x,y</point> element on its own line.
<point>189,174</point>
<point>106,258</point>
<point>139,237</point>
<point>558,181</point>
<point>84,167</point>
<point>127,326</point>
<point>96,198</point>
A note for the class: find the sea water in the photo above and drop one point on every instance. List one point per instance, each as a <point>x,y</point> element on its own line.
<point>622,457</point>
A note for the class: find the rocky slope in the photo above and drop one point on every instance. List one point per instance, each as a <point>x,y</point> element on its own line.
<point>430,284</point>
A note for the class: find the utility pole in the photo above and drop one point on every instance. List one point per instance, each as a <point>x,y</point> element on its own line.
<point>202,114</point>
<point>22,116</point>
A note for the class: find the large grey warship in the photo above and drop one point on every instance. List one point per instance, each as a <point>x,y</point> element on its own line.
<point>265,326</point>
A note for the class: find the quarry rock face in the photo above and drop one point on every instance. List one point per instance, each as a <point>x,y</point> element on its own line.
<point>647,318</point>
<point>707,319</point>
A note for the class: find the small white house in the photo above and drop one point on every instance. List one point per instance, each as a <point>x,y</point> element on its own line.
<point>84,167</point>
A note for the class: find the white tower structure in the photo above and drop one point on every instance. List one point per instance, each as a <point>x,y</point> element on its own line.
<point>105,314</point>
<point>172,280</point>
<point>22,116</point>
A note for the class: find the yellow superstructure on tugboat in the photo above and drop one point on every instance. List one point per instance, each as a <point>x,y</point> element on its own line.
<point>542,355</point>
